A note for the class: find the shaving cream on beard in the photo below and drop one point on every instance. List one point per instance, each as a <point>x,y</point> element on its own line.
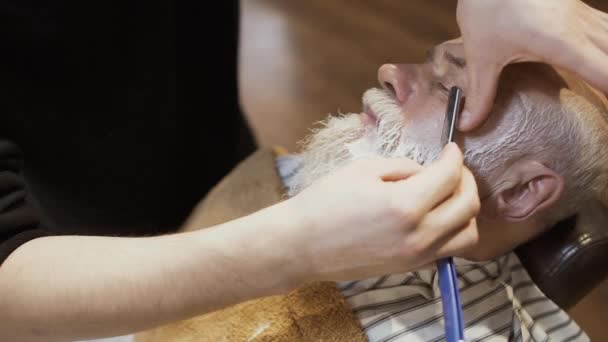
<point>345,138</point>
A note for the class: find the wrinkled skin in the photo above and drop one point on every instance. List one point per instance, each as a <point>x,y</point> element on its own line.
<point>515,196</point>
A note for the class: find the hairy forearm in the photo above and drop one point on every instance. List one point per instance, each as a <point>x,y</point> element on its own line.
<point>75,287</point>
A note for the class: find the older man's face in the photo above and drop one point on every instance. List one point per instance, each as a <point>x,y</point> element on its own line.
<point>406,117</point>
<point>421,91</point>
<point>524,156</point>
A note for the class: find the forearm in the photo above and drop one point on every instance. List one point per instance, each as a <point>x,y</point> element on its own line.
<point>73,287</point>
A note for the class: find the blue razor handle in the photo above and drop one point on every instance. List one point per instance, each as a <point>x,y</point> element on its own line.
<point>448,280</point>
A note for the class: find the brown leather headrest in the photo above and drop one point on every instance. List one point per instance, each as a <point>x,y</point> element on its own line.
<point>569,260</point>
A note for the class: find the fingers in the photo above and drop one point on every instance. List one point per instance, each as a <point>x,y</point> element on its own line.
<point>588,58</point>
<point>463,240</point>
<point>453,214</point>
<point>481,91</point>
<point>392,170</point>
<point>385,169</point>
<point>594,69</point>
<point>431,186</point>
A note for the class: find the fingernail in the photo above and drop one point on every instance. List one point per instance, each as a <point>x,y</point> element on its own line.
<point>446,149</point>
<point>451,148</point>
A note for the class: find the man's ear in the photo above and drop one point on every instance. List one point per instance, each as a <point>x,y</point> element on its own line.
<point>526,189</point>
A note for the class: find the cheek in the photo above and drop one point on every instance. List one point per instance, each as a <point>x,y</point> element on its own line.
<point>424,122</point>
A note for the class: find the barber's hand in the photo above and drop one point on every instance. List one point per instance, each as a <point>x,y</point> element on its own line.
<point>376,217</point>
<point>564,33</point>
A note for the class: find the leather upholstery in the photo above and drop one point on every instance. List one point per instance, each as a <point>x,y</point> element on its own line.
<point>570,259</point>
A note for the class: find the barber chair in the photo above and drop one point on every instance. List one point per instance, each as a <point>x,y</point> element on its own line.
<point>566,262</point>
<point>571,259</point>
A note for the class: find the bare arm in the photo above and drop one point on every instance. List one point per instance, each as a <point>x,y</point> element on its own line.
<point>74,287</point>
<point>369,218</point>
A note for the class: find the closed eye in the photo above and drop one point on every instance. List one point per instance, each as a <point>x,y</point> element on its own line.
<point>443,87</point>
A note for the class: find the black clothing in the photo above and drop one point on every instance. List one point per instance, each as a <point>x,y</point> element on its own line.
<point>123,114</point>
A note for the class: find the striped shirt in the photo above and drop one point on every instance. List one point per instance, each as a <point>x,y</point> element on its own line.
<point>499,301</point>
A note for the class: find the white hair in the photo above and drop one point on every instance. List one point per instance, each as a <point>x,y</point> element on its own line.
<point>344,138</point>
<point>559,135</point>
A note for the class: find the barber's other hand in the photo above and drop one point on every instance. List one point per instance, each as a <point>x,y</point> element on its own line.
<point>376,217</point>
<point>564,33</point>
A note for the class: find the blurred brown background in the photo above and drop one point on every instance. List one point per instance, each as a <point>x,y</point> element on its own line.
<point>304,59</point>
<point>301,60</point>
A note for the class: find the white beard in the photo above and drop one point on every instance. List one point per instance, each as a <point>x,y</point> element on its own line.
<point>344,138</point>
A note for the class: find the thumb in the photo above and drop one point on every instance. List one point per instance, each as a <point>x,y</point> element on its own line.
<point>393,170</point>
<point>481,92</point>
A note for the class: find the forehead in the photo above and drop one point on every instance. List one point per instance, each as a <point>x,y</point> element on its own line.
<point>454,46</point>
<point>540,82</point>
<point>529,77</point>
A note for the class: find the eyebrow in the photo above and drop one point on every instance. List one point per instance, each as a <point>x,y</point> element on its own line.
<point>456,61</point>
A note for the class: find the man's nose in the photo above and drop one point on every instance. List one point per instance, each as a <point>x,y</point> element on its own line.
<point>396,79</point>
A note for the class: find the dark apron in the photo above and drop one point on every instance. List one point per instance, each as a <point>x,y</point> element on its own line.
<point>126,111</point>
